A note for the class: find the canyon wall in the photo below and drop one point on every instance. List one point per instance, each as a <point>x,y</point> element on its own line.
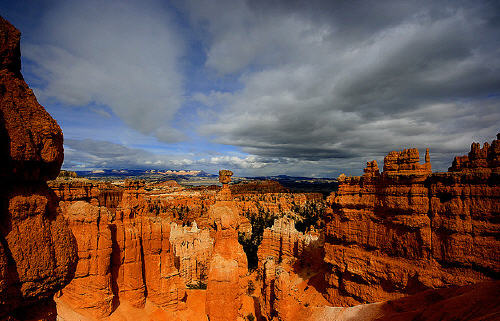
<point>125,255</point>
<point>37,250</point>
<point>285,244</point>
<point>290,269</point>
<point>406,229</point>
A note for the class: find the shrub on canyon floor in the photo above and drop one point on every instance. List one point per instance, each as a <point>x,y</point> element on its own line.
<point>260,221</point>
<point>250,317</point>
<point>197,286</point>
<point>251,287</point>
<point>311,214</point>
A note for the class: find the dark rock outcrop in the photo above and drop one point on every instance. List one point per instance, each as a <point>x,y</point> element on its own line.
<point>37,249</point>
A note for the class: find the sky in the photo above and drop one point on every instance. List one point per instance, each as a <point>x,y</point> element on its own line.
<point>305,88</point>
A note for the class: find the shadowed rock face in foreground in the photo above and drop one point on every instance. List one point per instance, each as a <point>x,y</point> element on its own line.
<point>37,249</point>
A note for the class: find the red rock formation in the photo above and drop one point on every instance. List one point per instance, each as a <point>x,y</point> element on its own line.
<point>473,302</point>
<point>479,159</point>
<point>122,208</point>
<point>406,162</point>
<point>277,204</point>
<point>283,254</point>
<point>257,187</point>
<point>125,254</point>
<point>225,177</point>
<point>193,249</point>
<point>92,286</point>
<point>223,290</point>
<point>229,263</point>
<point>268,289</point>
<point>287,292</point>
<point>286,245</point>
<point>31,139</point>
<point>407,230</point>
<point>388,234</point>
<point>37,249</point>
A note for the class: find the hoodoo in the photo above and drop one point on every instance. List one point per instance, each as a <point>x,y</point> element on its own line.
<point>229,263</point>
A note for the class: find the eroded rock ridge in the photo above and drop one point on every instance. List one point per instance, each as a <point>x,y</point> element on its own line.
<point>405,229</point>
<point>37,250</point>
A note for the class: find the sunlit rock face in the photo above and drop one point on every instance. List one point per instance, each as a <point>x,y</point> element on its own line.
<point>472,302</point>
<point>229,265</point>
<point>406,229</point>
<point>37,250</point>
<point>125,258</point>
<point>132,234</point>
<point>193,248</point>
<point>388,234</point>
<point>285,244</point>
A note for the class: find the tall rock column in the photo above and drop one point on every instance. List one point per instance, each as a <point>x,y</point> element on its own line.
<point>37,250</point>
<point>229,262</point>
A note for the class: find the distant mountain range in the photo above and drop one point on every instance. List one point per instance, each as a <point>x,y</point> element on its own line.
<point>143,173</point>
<point>186,174</point>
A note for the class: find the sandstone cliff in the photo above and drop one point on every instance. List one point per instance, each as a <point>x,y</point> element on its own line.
<point>406,230</point>
<point>288,258</point>
<point>37,249</point>
<point>287,245</point>
<point>388,234</point>
<point>125,255</point>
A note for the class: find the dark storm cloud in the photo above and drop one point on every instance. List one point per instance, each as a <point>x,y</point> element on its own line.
<point>103,149</point>
<point>89,154</point>
<point>329,79</point>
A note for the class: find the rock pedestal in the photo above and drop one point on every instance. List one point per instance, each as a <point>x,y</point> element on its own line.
<point>229,263</point>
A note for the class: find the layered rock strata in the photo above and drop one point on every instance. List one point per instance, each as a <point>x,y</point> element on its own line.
<point>473,302</point>
<point>37,250</point>
<point>406,229</point>
<point>125,257</point>
<point>284,253</point>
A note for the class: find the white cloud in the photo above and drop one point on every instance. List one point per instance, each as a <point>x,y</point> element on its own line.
<point>123,54</point>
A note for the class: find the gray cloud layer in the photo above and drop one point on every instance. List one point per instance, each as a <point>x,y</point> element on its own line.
<point>123,54</point>
<point>323,85</point>
<point>326,79</point>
